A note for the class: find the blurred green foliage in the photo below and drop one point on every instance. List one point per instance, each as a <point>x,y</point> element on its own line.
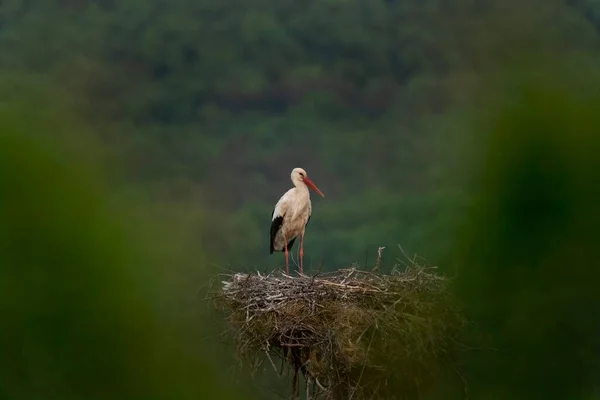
<point>200,109</point>
<point>527,261</point>
<point>79,307</point>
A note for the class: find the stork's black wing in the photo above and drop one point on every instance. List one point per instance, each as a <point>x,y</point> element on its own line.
<point>275,226</point>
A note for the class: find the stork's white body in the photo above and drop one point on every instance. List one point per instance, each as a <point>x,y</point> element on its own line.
<point>291,214</point>
<point>295,208</point>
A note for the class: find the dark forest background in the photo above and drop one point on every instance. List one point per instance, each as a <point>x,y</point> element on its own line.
<point>145,143</point>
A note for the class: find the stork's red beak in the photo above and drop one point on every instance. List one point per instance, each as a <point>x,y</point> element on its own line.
<point>311,185</point>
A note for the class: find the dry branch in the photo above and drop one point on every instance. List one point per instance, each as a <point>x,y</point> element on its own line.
<point>351,333</point>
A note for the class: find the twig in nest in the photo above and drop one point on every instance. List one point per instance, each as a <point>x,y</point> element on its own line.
<point>378,261</point>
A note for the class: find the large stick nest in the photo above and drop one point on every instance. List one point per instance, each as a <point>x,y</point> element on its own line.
<point>351,333</point>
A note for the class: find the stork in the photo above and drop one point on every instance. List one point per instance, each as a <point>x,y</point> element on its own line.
<point>290,216</point>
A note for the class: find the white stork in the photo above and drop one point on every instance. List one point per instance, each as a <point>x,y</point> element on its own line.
<point>290,216</point>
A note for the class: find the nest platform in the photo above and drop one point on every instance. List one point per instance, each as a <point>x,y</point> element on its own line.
<point>350,333</point>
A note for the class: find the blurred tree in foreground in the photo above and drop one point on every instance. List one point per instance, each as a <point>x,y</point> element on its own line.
<point>527,263</point>
<point>78,285</point>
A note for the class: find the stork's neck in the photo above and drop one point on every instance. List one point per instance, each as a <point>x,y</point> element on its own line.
<point>301,187</point>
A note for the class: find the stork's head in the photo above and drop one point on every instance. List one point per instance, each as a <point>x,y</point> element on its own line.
<point>299,177</point>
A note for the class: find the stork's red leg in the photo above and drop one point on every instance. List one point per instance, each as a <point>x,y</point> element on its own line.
<point>301,251</point>
<point>287,262</point>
